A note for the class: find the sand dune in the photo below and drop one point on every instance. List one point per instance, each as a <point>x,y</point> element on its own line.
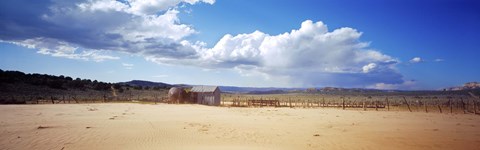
<point>144,126</point>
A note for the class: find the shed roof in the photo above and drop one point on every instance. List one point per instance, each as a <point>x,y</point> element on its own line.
<point>203,88</point>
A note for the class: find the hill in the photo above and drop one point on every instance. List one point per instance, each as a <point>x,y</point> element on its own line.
<point>19,88</point>
<point>466,86</point>
<point>146,84</point>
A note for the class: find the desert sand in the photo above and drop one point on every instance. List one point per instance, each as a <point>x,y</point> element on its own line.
<point>167,126</point>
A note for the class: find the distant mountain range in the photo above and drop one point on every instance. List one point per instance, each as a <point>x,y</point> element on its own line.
<point>466,86</point>
<point>231,89</point>
<point>146,84</point>
<point>275,90</point>
<point>252,90</point>
<point>258,90</point>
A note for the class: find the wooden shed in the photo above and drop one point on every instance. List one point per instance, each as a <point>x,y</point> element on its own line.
<point>206,95</point>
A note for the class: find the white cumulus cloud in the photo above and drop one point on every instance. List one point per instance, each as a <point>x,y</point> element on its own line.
<point>310,55</point>
<point>155,6</point>
<point>68,28</point>
<point>369,67</point>
<point>416,60</point>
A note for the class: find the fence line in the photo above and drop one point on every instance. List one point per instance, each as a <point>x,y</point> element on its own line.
<point>427,104</point>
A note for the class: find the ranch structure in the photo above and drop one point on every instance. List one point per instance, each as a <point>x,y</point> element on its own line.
<point>205,95</point>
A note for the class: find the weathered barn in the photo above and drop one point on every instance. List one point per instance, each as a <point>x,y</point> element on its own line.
<point>206,95</point>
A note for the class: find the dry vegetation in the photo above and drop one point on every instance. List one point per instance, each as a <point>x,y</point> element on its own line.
<point>458,103</point>
<point>19,88</point>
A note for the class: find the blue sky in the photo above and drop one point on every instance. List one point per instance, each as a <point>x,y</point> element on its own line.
<point>368,43</point>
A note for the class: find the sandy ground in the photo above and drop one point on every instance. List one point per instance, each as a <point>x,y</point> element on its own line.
<point>163,126</point>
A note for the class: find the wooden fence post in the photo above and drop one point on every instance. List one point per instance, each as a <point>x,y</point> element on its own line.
<point>438,105</point>
<point>388,104</point>
<point>364,109</point>
<point>425,105</point>
<point>474,106</point>
<point>75,98</point>
<point>290,102</point>
<point>458,103</point>
<point>408,105</point>
<point>104,98</point>
<point>323,101</point>
<point>51,97</point>
<point>343,103</point>
<point>474,102</point>
<point>450,103</point>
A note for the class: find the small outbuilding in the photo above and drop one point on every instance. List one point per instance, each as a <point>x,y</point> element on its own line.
<point>178,95</point>
<point>206,95</point>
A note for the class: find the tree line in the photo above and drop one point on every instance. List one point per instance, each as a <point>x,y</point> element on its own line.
<point>64,82</point>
